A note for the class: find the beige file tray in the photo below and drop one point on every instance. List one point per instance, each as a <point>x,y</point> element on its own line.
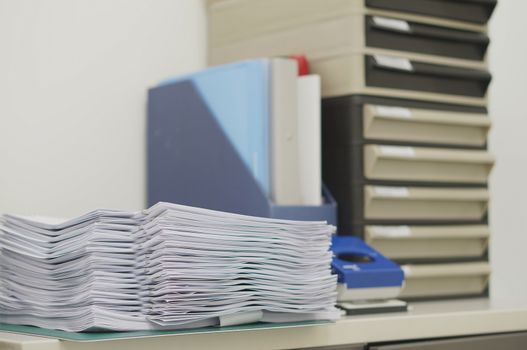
<point>376,73</point>
<point>232,21</point>
<point>428,242</point>
<point>403,163</point>
<point>423,203</point>
<point>426,126</point>
<point>475,11</point>
<point>444,280</point>
<point>364,34</point>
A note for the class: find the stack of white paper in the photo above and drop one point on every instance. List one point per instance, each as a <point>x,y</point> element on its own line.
<point>71,275</point>
<point>205,267</point>
<point>168,267</point>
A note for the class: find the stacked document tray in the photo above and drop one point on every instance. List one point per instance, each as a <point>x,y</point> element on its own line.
<point>385,203</point>
<point>422,242</point>
<point>467,128</point>
<point>396,161</point>
<point>292,19</point>
<point>389,53</point>
<point>411,178</point>
<point>474,11</point>
<point>395,75</point>
<point>405,122</point>
<point>445,279</point>
<point>419,37</point>
<point>408,163</point>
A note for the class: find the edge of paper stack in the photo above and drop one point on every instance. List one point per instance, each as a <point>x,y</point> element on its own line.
<point>167,267</point>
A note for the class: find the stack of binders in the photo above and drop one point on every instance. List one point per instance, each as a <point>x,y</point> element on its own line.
<point>404,121</point>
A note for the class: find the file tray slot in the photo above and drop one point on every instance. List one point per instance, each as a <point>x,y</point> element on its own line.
<point>407,163</point>
<point>357,119</point>
<point>397,34</point>
<point>359,206</point>
<point>388,122</point>
<point>445,280</point>
<point>475,11</point>
<point>191,161</point>
<point>428,242</point>
<point>423,203</point>
<point>404,74</point>
<point>352,123</point>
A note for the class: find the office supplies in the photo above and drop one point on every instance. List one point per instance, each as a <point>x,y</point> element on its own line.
<point>367,281</point>
<point>447,280</point>
<point>303,64</point>
<point>441,60</point>
<point>285,153</point>
<point>395,75</point>
<point>275,15</point>
<point>418,37</point>
<point>310,139</point>
<point>425,203</point>
<point>425,242</point>
<point>407,163</point>
<point>237,96</point>
<point>184,168</point>
<point>478,11</point>
<point>260,110</point>
<point>167,267</point>
<point>405,124</point>
<point>352,125</point>
<point>205,267</point>
<point>70,274</point>
<point>364,307</point>
<point>425,126</point>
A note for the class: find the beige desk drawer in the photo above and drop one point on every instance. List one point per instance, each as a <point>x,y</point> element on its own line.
<point>425,126</point>
<point>426,164</point>
<point>444,280</point>
<point>423,203</point>
<point>510,341</point>
<point>428,242</point>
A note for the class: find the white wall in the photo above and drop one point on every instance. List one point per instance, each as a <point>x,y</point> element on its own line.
<point>508,141</point>
<point>73,80</point>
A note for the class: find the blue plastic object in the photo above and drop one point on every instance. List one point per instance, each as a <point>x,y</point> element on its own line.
<point>237,94</point>
<point>360,266</point>
<point>193,161</point>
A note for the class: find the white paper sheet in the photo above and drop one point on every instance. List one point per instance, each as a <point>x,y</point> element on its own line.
<point>170,266</point>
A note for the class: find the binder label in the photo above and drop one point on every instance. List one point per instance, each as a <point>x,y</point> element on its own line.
<point>391,231</point>
<point>399,63</point>
<point>393,112</point>
<point>398,151</point>
<point>385,191</point>
<point>391,23</point>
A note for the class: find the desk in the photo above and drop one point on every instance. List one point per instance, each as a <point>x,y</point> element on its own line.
<point>425,320</point>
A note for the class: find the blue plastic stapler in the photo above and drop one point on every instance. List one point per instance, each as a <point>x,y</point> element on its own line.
<point>368,282</point>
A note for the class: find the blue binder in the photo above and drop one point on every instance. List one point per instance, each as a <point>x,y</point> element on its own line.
<point>192,158</point>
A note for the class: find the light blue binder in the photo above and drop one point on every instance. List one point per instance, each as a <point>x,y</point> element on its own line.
<point>238,96</point>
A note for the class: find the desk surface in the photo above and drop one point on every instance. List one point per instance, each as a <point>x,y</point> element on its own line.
<point>424,320</point>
